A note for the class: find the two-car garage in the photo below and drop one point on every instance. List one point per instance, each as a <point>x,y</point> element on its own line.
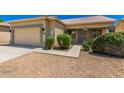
<point>27,32</point>
<point>27,36</point>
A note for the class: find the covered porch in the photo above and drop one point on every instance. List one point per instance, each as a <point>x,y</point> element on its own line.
<point>82,34</point>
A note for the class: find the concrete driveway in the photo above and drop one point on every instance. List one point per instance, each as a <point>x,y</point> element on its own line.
<point>9,52</point>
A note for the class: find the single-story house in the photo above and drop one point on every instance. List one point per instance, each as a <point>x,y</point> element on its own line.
<point>33,31</point>
<point>4,32</point>
<point>120,25</point>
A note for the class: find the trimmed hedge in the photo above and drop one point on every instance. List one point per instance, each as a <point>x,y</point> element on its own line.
<point>64,40</point>
<point>87,44</point>
<point>111,43</point>
<point>49,42</point>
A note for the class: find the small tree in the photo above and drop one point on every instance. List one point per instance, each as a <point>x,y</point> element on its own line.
<point>64,40</point>
<point>49,42</point>
<point>1,20</point>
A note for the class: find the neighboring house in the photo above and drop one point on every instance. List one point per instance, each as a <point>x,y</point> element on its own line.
<point>4,32</point>
<point>120,25</point>
<point>33,31</point>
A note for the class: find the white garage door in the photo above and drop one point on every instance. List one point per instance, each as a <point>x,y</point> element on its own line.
<point>4,37</point>
<point>27,36</point>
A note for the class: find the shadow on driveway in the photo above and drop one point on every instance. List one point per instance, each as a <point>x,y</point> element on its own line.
<point>20,46</point>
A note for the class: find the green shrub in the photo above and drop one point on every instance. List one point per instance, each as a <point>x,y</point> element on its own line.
<point>110,43</point>
<point>87,44</point>
<point>64,40</point>
<point>49,42</point>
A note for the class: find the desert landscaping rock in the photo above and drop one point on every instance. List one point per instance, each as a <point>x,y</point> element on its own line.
<point>39,65</point>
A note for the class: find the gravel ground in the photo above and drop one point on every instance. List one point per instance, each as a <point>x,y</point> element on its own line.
<point>38,65</point>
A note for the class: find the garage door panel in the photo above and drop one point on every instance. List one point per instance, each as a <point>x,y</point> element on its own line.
<point>4,37</point>
<point>27,36</point>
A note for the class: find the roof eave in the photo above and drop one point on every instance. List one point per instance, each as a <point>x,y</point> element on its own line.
<point>34,19</point>
<point>28,19</point>
<point>93,22</point>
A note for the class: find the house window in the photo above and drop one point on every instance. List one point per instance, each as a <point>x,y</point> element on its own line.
<point>50,32</point>
<point>95,33</point>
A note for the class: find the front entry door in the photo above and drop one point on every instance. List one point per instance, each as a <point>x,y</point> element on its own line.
<point>82,36</point>
<point>73,34</point>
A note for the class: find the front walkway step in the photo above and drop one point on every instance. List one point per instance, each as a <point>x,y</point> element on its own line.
<point>74,51</point>
<point>55,52</point>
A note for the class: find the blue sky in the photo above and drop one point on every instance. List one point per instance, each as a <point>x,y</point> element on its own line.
<point>15,17</point>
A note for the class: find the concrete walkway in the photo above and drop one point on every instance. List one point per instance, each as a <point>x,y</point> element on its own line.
<point>73,52</point>
<point>55,52</point>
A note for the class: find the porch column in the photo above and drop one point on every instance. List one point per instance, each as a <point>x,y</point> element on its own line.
<point>52,32</point>
<point>52,28</point>
<point>77,31</point>
<point>88,34</point>
<point>44,32</point>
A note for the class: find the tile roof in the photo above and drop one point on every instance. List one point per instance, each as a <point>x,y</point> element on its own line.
<point>4,24</point>
<point>87,20</point>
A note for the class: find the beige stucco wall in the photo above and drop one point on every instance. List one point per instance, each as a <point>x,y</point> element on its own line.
<point>51,27</point>
<point>59,29</point>
<point>4,37</point>
<point>27,36</point>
